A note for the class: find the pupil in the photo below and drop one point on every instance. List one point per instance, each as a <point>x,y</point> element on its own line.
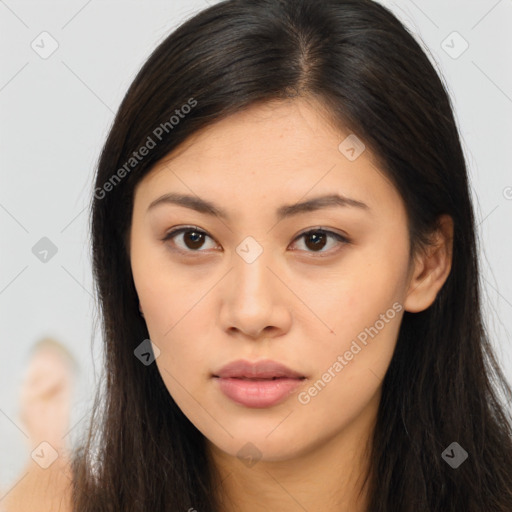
<point>318,239</point>
<point>196,239</point>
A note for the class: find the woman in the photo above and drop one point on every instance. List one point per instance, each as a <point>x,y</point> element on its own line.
<point>282,208</point>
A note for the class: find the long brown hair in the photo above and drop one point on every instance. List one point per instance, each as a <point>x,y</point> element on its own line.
<point>443,384</point>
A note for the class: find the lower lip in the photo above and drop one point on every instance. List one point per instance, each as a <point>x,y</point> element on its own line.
<point>258,393</point>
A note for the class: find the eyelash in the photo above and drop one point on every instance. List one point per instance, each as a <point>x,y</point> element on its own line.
<point>340,238</point>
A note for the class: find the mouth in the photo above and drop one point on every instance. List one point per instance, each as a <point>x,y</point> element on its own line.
<point>258,370</point>
<point>257,385</point>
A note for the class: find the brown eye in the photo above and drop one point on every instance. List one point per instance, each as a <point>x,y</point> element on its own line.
<point>193,239</point>
<point>317,239</point>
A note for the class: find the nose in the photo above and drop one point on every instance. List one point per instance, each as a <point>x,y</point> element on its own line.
<point>255,299</point>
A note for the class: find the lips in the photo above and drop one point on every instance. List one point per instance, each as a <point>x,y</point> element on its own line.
<point>260,370</point>
<point>258,385</point>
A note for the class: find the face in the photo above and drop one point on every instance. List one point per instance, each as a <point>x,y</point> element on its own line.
<point>317,288</point>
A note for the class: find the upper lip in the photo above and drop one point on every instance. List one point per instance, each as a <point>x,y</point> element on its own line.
<point>265,369</point>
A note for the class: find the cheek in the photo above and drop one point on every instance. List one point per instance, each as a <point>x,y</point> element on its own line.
<point>179,321</point>
<point>365,290</point>
<point>166,291</point>
<point>178,312</point>
<point>351,364</point>
<point>364,309</point>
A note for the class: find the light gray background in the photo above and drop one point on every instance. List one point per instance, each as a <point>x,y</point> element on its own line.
<point>55,115</point>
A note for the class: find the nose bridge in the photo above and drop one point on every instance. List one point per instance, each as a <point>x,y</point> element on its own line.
<point>251,305</point>
<point>253,301</point>
<point>251,273</point>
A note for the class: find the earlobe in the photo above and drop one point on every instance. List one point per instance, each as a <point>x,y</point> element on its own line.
<point>431,268</point>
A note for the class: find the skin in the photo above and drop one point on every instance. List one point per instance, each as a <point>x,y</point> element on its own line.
<point>301,306</point>
<point>45,406</point>
<point>46,398</point>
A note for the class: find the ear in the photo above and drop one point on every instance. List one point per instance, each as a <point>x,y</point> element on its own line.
<point>431,267</point>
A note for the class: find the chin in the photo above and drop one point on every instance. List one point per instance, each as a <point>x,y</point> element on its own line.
<point>257,445</point>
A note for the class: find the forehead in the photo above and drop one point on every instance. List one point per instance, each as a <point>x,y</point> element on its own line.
<point>270,152</point>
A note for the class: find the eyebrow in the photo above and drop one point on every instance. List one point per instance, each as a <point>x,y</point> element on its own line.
<point>207,207</point>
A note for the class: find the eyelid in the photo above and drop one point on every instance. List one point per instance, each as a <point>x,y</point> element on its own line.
<point>173,232</point>
<point>341,238</point>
